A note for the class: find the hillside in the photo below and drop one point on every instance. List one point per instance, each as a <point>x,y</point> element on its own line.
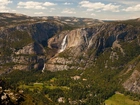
<point>69,60</point>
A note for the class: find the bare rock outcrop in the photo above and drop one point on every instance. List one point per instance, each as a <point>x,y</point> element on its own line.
<point>133,83</point>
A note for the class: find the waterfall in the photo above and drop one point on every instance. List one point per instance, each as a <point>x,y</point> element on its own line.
<point>43,68</point>
<point>64,44</point>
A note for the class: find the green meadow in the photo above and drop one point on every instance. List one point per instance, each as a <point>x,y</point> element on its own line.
<point>120,99</point>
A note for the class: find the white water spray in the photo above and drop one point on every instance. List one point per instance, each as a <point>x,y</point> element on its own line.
<point>64,44</point>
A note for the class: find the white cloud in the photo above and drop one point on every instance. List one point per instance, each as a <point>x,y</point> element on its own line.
<point>90,9</point>
<point>3,5</point>
<point>93,14</point>
<point>110,7</point>
<point>132,8</point>
<point>66,3</point>
<point>126,2</point>
<point>52,9</point>
<point>98,11</point>
<point>99,6</point>
<point>5,2</point>
<point>49,4</point>
<point>68,11</point>
<point>38,13</point>
<point>14,10</point>
<point>30,5</point>
<point>88,4</point>
<point>34,5</point>
<point>4,9</point>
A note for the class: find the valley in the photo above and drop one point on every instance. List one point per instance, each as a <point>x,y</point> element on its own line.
<point>69,60</point>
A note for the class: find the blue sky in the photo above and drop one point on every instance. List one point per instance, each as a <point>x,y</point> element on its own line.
<point>98,9</point>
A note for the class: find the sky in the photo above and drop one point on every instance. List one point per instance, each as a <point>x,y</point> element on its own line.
<point>97,9</point>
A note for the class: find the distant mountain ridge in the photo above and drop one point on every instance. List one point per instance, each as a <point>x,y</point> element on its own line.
<point>17,19</point>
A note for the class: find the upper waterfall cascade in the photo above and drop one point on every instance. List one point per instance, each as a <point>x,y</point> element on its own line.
<point>64,44</point>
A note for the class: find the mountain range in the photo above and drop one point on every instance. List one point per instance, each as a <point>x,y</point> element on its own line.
<point>109,49</point>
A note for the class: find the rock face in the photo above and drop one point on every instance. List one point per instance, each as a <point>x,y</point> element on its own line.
<point>77,43</point>
<point>98,37</point>
<point>69,49</point>
<point>23,45</point>
<point>31,49</point>
<point>133,83</point>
